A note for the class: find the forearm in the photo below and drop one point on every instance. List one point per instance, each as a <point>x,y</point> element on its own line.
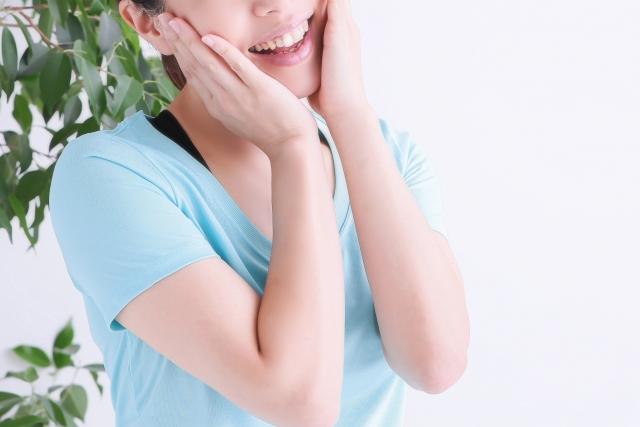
<point>301,317</point>
<point>418,297</point>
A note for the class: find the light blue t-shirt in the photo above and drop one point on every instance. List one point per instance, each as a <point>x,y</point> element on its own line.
<point>129,207</point>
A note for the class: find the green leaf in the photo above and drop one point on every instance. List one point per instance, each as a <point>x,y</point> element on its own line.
<point>70,421</point>
<point>96,8</point>
<point>9,54</point>
<point>123,63</point>
<point>8,401</point>
<point>88,126</point>
<point>62,136</point>
<point>21,214</point>
<point>25,33</point>
<point>6,83</point>
<point>29,375</point>
<point>61,360</point>
<point>55,78</point>
<point>22,113</point>
<point>33,65</point>
<point>65,336</point>
<point>96,367</point>
<point>110,32</point>
<point>59,10</point>
<point>45,23</point>
<point>20,149</point>
<point>33,355</point>
<point>74,400</point>
<point>93,85</point>
<point>72,32</point>
<point>94,375</point>
<point>70,350</point>
<point>28,421</point>
<point>84,50</point>
<point>53,410</point>
<point>128,93</point>
<point>5,223</point>
<point>31,185</point>
<point>53,388</point>
<point>72,110</point>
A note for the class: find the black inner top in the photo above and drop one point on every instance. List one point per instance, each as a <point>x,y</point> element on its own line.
<point>167,124</point>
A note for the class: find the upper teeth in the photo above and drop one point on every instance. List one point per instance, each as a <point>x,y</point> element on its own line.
<point>285,40</point>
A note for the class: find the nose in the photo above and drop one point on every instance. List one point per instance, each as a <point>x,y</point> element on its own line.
<point>264,7</point>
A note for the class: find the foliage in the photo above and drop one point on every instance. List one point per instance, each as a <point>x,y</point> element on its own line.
<point>72,47</point>
<point>61,405</point>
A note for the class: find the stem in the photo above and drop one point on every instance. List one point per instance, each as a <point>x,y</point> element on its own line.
<point>42,35</point>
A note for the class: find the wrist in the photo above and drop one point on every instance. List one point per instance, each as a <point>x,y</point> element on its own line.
<point>297,148</point>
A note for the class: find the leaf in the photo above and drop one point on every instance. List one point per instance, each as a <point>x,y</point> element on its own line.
<point>110,32</point>
<point>53,410</point>
<point>33,355</point>
<point>59,10</point>
<point>25,33</point>
<point>124,64</point>
<point>72,32</point>
<point>83,50</point>
<point>94,375</point>
<point>61,136</point>
<point>9,54</point>
<point>74,400</point>
<point>33,65</point>
<point>65,336</point>
<point>31,185</point>
<point>28,421</point>
<point>70,350</point>
<point>21,214</point>
<point>93,85</point>
<point>53,388</point>
<point>96,367</point>
<point>29,375</point>
<point>96,8</point>
<point>8,401</point>
<point>88,126</point>
<point>45,22</point>
<point>55,78</point>
<point>132,37</point>
<point>22,113</point>
<point>72,110</point>
<point>128,93</point>
<point>6,224</point>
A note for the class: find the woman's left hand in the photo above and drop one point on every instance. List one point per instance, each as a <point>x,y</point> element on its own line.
<point>341,87</point>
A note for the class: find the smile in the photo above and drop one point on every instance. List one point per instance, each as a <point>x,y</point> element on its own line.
<point>286,43</point>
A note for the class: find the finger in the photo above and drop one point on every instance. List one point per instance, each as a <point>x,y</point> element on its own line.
<point>239,63</point>
<point>198,58</point>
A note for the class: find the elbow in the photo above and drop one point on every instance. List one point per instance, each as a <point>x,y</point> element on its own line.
<point>435,378</point>
<point>309,409</point>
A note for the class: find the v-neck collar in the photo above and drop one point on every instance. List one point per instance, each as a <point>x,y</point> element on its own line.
<point>261,243</point>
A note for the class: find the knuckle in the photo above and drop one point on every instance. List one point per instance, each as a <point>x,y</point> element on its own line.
<point>193,65</point>
<point>212,68</point>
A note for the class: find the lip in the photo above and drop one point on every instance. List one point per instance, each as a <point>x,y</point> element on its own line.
<point>292,58</point>
<point>286,28</point>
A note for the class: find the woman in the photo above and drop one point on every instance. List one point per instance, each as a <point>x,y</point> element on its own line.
<point>215,245</point>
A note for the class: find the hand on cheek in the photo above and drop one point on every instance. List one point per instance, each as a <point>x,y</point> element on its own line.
<point>341,87</point>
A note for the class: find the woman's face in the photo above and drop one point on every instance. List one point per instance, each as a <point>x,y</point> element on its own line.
<point>246,23</point>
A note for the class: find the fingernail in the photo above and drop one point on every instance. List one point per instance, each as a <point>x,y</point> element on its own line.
<point>175,26</point>
<point>164,19</point>
<point>208,41</point>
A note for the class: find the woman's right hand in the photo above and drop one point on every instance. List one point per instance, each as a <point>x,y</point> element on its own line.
<point>250,103</point>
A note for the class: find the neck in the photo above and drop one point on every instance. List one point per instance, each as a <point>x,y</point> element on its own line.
<point>208,134</point>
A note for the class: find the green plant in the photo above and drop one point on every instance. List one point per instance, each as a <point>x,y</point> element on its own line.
<point>61,404</point>
<point>72,47</point>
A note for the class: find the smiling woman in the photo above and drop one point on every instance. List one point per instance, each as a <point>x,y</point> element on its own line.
<point>215,244</point>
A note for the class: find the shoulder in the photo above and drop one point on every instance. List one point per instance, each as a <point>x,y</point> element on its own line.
<point>101,161</point>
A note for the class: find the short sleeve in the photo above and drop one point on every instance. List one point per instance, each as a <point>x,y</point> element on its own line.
<point>419,175</point>
<point>117,223</point>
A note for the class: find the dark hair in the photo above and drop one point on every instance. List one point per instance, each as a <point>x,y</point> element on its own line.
<point>154,8</point>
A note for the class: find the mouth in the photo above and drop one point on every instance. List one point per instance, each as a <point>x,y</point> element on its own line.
<point>287,43</point>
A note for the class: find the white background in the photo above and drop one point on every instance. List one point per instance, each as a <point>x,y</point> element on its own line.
<point>530,113</point>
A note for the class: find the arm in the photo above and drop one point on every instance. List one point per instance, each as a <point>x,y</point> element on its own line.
<point>279,358</point>
<point>416,285</point>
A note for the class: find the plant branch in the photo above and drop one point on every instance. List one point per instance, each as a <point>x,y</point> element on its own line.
<point>42,35</point>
